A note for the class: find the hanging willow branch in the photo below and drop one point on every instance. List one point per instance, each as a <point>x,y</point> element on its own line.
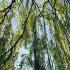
<point>6,10</point>
<point>25,23</point>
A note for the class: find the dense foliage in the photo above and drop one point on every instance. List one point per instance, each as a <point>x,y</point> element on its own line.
<point>35,34</point>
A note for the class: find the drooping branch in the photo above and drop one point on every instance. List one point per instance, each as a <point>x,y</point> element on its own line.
<point>25,23</point>
<point>6,10</point>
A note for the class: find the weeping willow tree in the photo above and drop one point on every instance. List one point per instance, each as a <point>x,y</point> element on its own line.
<point>41,27</point>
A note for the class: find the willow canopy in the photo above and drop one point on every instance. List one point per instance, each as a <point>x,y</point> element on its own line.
<point>34,34</point>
